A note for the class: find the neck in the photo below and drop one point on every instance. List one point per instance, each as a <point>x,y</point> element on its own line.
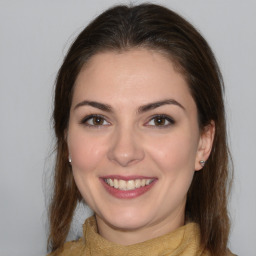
<point>133,236</point>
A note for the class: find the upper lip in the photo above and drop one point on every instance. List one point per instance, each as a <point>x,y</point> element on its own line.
<point>130,177</point>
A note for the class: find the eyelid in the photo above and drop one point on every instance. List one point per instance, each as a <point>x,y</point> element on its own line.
<point>164,116</point>
<point>88,117</point>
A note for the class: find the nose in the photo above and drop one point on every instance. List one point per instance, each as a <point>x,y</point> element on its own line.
<point>125,147</point>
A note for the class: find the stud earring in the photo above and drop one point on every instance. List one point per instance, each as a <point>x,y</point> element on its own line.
<point>202,162</point>
<point>69,159</point>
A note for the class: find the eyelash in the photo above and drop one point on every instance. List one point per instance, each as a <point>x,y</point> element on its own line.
<point>164,117</point>
<point>85,121</point>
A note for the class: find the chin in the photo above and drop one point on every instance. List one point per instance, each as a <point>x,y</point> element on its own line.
<point>128,220</point>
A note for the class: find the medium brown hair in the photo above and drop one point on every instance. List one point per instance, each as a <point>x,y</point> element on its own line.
<point>152,27</point>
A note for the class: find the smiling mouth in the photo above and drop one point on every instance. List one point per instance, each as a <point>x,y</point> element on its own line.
<point>126,185</point>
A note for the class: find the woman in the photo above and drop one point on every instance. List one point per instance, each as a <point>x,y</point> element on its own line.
<point>140,126</point>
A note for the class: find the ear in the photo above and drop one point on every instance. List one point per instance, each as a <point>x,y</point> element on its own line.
<point>205,145</point>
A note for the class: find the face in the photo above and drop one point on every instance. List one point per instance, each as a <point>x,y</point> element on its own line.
<point>134,141</point>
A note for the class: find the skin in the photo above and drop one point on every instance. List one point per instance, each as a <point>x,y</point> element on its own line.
<point>127,141</point>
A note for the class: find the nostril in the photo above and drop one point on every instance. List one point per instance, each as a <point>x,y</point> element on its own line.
<point>125,151</point>
<point>125,159</point>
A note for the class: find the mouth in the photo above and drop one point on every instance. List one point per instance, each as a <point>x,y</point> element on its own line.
<point>126,185</point>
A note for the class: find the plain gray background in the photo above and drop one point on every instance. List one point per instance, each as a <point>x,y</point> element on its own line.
<point>34,37</point>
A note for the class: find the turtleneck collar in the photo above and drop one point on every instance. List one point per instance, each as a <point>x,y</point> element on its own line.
<point>183,241</point>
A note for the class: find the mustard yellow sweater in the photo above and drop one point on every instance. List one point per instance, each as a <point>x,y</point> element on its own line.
<point>182,242</point>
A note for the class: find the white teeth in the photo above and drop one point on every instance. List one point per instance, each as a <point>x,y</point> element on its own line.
<point>122,184</point>
<point>116,185</point>
<point>129,184</point>
<point>111,182</point>
<point>147,182</point>
<point>137,183</point>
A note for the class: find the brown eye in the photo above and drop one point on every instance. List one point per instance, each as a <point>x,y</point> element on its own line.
<point>160,121</point>
<point>97,120</point>
<point>94,120</point>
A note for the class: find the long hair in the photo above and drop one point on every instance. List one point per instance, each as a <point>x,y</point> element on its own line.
<point>153,27</point>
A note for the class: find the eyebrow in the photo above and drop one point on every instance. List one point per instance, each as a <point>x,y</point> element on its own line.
<point>158,104</point>
<point>141,109</point>
<point>101,106</point>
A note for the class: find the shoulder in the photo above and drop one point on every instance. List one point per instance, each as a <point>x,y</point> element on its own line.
<point>71,248</point>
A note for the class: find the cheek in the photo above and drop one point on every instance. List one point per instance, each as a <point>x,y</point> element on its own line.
<point>174,158</point>
<point>175,153</point>
<point>86,151</point>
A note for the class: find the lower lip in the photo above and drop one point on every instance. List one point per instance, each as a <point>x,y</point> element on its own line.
<point>128,194</point>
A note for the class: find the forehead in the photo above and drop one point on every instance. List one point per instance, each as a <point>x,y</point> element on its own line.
<point>136,75</point>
